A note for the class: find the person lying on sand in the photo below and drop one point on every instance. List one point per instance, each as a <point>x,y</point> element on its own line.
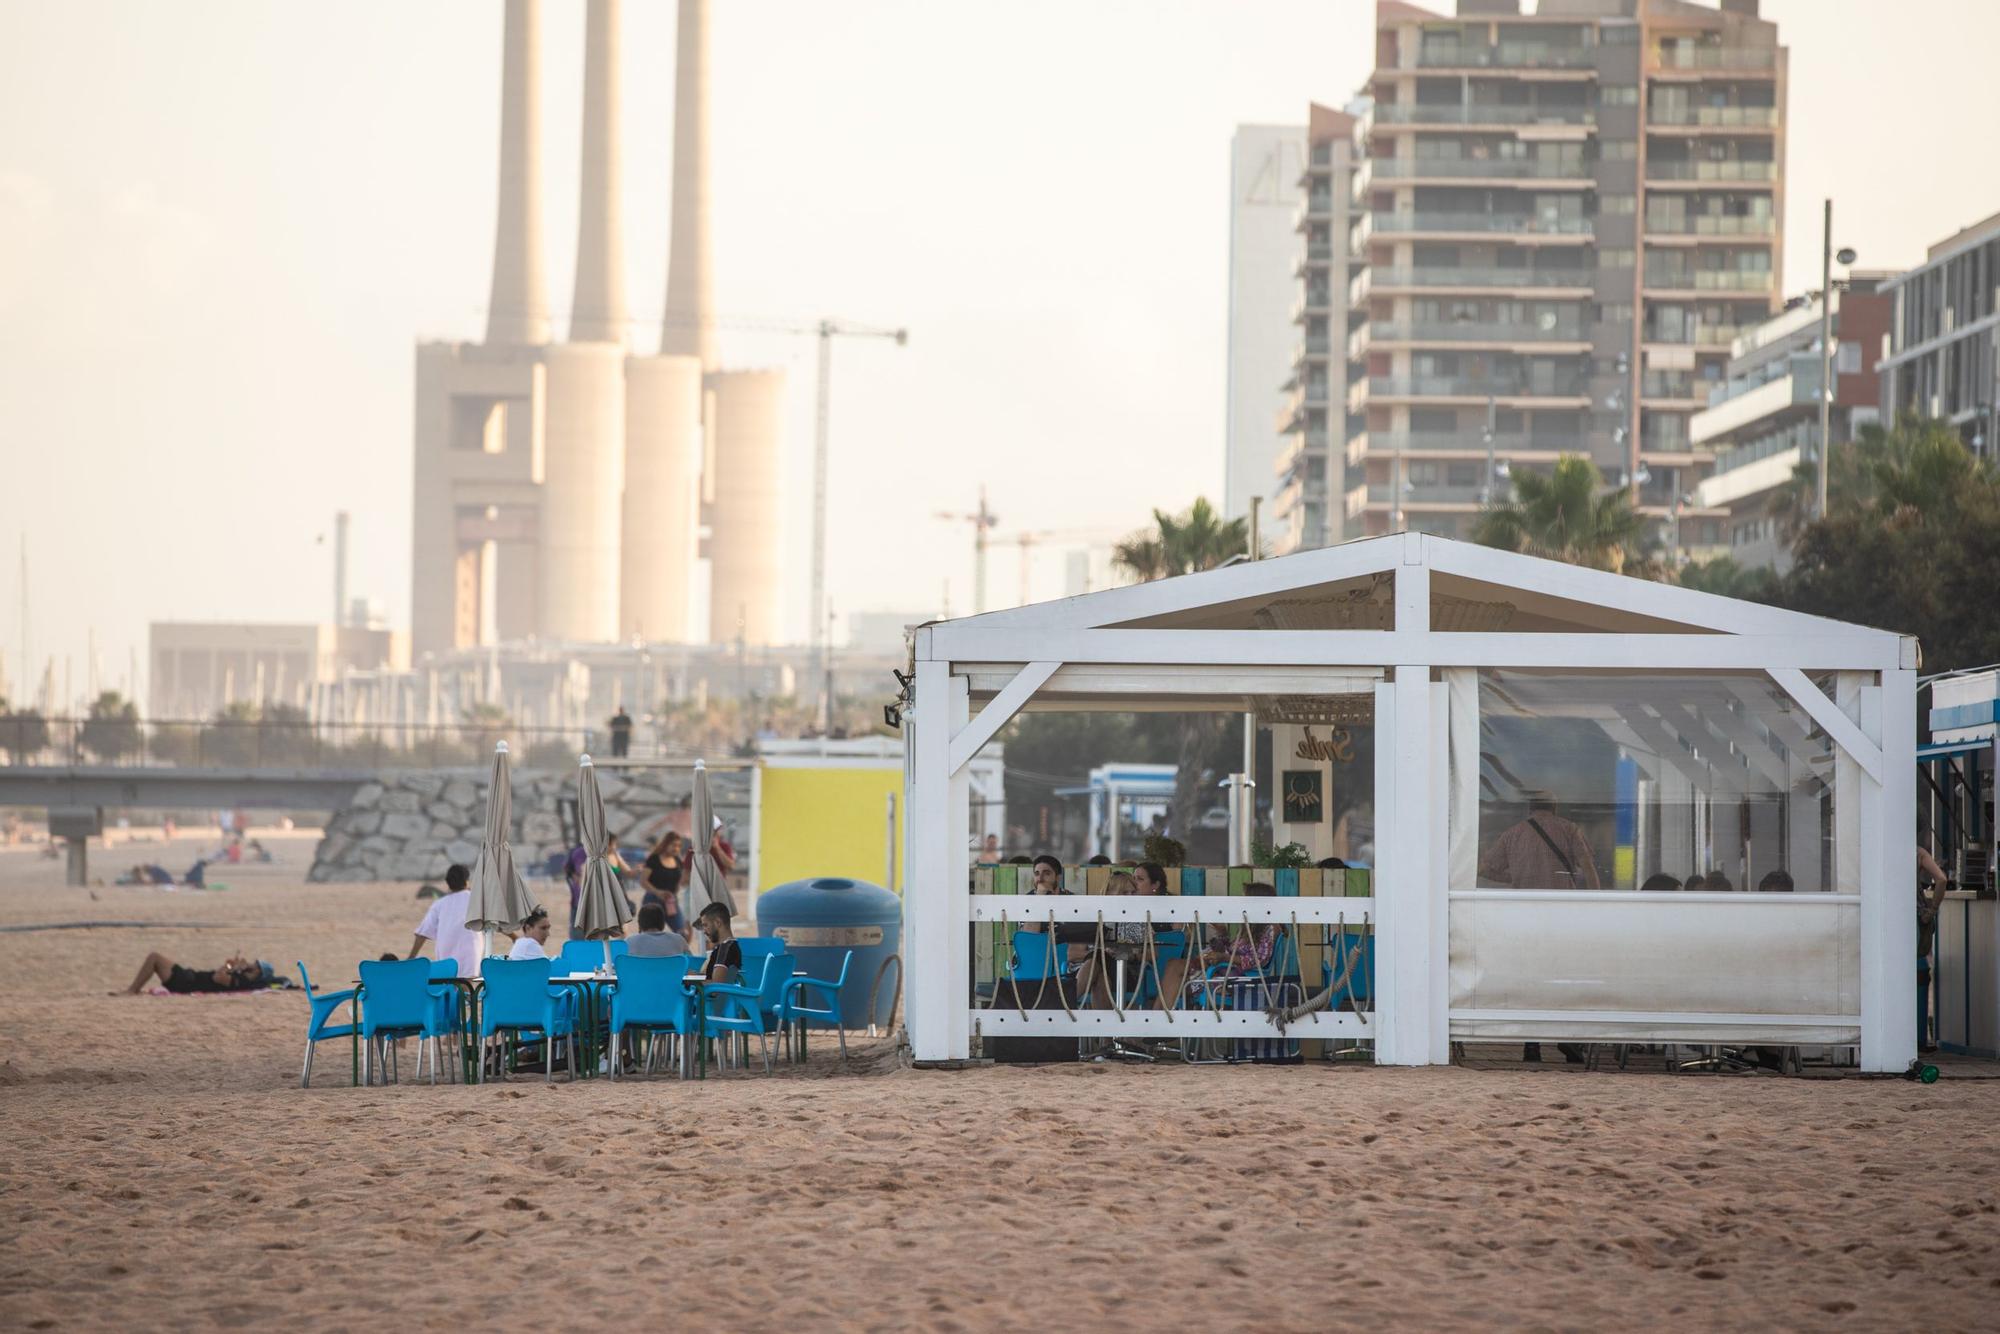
<point>236,975</point>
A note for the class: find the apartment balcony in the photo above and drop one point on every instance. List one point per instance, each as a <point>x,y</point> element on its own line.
<point>1359,341</point>
<point>1706,60</point>
<point>1526,226</point>
<point>1695,174</point>
<point>1693,230</point>
<point>1535,172</point>
<point>1714,118</point>
<point>1321,156</point>
<point>1312,301</point>
<point>1452,277</point>
<point>1508,57</point>
<point>1427,497</point>
<point>1672,389</point>
<point>1707,282</point>
<point>1317,206</point>
<point>1313,347</point>
<point>1358,288</point>
<point>1471,444</point>
<point>1359,233</point>
<point>1473,331</point>
<point>1358,185</point>
<point>1466,389</point>
<point>1299,451</point>
<point>1489,115</point>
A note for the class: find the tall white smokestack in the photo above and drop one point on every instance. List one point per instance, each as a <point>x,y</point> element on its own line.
<point>339,568</point>
<point>597,312</point>
<point>518,311</point>
<point>689,331</point>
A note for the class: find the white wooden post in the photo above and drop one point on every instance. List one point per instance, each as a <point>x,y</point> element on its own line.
<point>934,895</point>
<point>1888,716</point>
<point>1410,834</point>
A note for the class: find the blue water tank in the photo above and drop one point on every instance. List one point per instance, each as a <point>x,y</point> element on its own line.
<point>820,920</point>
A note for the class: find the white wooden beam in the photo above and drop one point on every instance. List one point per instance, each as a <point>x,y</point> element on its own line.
<point>1843,729</point>
<point>1889,851</point>
<point>976,733</point>
<point>934,908</point>
<point>1384,648</point>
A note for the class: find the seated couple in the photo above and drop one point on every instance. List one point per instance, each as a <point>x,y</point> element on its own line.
<point>655,940</point>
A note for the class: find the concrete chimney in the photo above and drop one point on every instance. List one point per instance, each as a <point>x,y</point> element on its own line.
<point>339,568</point>
<point>689,330</point>
<point>597,312</point>
<point>518,311</point>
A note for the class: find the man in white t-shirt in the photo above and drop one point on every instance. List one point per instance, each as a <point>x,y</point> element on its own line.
<point>444,925</point>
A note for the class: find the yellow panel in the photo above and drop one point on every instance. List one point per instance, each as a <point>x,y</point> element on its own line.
<point>824,822</point>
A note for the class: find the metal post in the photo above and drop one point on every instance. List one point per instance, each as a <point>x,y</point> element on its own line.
<point>889,848</point>
<point>1111,821</point>
<point>1825,362</point>
<point>1492,416</point>
<point>1249,805</point>
<point>820,418</point>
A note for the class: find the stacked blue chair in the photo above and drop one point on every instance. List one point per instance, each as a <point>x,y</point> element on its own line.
<point>650,999</point>
<point>323,1004</point>
<point>518,1000</point>
<point>793,1006</point>
<point>753,1005</point>
<point>396,1002</point>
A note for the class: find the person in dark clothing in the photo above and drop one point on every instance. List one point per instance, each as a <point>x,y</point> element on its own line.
<point>725,953</point>
<point>663,881</point>
<point>235,975</point>
<point>621,734</point>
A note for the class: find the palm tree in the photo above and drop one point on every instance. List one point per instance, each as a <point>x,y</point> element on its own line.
<point>1919,464</point>
<point>1196,539</point>
<point>1566,517</point>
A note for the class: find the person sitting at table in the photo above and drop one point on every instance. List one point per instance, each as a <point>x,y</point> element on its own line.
<point>1099,967</point>
<point>1249,952</point>
<point>653,940</point>
<point>533,941</point>
<point>1149,880</point>
<point>234,975</point>
<point>725,954</point>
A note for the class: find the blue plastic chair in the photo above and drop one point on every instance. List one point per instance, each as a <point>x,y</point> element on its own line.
<point>650,998</point>
<point>751,1006</point>
<point>793,1009</point>
<point>323,1004</point>
<point>1360,985</point>
<point>396,1002</point>
<point>519,999</point>
<point>756,947</point>
<point>1167,946</point>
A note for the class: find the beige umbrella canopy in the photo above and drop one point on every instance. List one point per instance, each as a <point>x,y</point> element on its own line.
<point>499,900</point>
<point>601,909</point>
<point>705,884</point>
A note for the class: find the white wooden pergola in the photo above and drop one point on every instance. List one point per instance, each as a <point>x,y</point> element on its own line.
<point>1414,620</point>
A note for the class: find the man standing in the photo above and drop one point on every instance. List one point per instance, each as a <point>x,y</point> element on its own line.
<point>1543,851</point>
<point>444,925</point>
<point>621,734</point>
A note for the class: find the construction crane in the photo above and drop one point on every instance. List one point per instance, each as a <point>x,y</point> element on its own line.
<point>1026,541</point>
<point>982,520</point>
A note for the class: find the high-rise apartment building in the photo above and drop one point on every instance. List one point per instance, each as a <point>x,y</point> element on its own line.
<point>1264,191</point>
<point>1570,216</point>
<point>1311,470</point>
<point>1944,358</point>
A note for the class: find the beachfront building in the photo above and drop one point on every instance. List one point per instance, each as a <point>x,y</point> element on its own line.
<point>196,669</point>
<point>1572,213</point>
<point>1944,360</point>
<point>1763,420</point>
<point>1309,475</point>
<point>1264,191</point>
<point>1681,733</point>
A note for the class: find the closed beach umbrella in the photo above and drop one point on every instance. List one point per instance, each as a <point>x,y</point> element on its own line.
<point>704,878</point>
<point>600,902</point>
<point>499,900</point>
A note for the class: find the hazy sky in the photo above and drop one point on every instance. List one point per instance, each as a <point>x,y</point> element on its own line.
<point>223,226</point>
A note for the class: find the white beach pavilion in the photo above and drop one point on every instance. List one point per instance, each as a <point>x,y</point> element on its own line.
<point>1713,734</point>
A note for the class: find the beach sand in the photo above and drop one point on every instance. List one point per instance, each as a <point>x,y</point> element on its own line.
<point>163,1169</point>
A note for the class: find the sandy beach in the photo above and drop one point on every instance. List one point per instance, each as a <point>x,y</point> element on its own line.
<point>165,1170</point>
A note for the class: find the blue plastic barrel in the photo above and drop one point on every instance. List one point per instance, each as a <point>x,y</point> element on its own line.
<point>821,919</point>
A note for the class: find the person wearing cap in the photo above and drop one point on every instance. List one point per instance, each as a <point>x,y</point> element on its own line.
<point>235,975</point>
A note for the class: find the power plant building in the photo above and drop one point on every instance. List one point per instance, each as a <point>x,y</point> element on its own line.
<point>558,486</point>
